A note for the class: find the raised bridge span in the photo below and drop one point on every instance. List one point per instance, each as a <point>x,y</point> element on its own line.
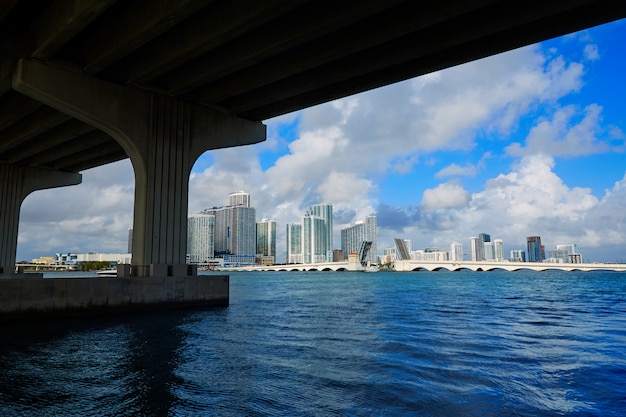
<point>87,82</point>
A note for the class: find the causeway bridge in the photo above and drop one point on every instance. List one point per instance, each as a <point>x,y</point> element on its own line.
<point>410,265</point>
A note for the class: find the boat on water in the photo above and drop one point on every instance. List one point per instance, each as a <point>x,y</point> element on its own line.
<point>107,273</point>
<point>371,268</point>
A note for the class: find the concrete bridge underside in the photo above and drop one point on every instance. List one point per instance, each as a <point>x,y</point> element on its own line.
<point>85,83</point>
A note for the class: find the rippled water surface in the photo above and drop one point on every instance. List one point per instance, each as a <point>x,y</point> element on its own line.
<point>344,344</point>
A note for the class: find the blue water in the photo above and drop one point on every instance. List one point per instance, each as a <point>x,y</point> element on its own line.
<point>340,344</point>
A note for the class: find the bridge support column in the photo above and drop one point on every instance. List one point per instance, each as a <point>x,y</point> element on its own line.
<point>16,183</point>
<point>163,138</point>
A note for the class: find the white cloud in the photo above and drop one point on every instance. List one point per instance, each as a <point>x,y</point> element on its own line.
<point>591,52</point>
<point>564,136</point>
<point>447,195</point>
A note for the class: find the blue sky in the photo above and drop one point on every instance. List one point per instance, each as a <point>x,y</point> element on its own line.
<point>529,142</point>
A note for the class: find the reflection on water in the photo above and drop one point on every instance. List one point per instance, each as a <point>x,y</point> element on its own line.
<point>339,344</point>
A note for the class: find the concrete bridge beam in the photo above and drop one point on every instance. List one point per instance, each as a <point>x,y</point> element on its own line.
<point>163,138</point>
<point>16,183</point>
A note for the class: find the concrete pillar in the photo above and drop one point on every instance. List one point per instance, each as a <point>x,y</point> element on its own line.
<point>163,138</point>
<point>16,183</point>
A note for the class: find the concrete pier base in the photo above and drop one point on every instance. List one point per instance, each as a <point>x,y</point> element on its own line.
<point>38,298</point>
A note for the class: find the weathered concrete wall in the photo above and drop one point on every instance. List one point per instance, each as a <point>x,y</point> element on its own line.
<point>38,297</point>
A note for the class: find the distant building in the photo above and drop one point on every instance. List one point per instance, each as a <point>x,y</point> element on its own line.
<point>235,229</point>
<point>325,212</point>
<point>430,255</point>
<point>517,255</point>
<point>200,238</point>
<point>535,249</point>
<point>353,237</point>
<point>564,254</point>
<point>266,239</point>
<point>80,258</point>
<point>314,244</point>
<point>475,253</point>
<point>456,251</point>
<point>338,255</point>
<point>498,249</point>
<point>293,239</point>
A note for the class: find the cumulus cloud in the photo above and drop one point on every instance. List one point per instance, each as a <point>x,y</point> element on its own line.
<point>447,195</point>
<point>531,199</point>
<point>564,135</point>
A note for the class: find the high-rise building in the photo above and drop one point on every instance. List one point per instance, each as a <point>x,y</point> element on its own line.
<point>314,243</point>
<point>535,249</point>
<point>325,211</point>
<point>294,243</point>
<point>266,238</point>
<point>235,229</point>
<point>498,248</point>
<point>456,251</point>
<point>353,237</point>
<point>489,251</point>
<point>200,235</point>
<point>482,238</point>
<point>475,253</point>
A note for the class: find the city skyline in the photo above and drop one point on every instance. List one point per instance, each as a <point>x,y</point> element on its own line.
<point>529,142</point>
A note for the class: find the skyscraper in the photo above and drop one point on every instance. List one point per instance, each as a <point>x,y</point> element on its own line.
<point>456,251</point>
<point>294,243</point>
<point>235,229</point>
<point>498,247</point>
<point>325,211</point>
<point>314,245</point>
<point>482,239</point>
<point>475,252</point>
<point>353,237</point>
<point>535,249</point>
<point>200,235</point>
<point>266,238</point>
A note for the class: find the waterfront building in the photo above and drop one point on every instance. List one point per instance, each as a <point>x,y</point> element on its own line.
<point>294,243</point>
<point>235,229</point>
<point>489,252</point>
<point>498,249</point>
<point>338,255</point>
<point>429,255</point>
<point>353,237</point>
<point>536,251</point>
<point>517,255</point>
<point>200,238</point>
<point>475,253</point>
<point>325,211</point>
<point>564,254</point>
<point>79,258</point>
<point>456,251</point>
<point>266,239</point>
<point>314,243</point>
